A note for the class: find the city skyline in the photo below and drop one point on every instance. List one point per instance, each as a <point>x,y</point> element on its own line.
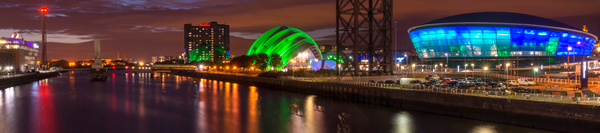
<point>144,28</point>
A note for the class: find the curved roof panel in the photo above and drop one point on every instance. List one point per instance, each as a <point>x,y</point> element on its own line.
<point>501,17</point>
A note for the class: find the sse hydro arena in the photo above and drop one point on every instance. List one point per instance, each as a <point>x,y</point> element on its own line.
<point>500,37</point>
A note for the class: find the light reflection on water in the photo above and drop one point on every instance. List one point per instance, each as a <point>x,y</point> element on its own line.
<point>138,102</point>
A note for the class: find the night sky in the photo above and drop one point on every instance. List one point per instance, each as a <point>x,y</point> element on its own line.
<point>148,28</point>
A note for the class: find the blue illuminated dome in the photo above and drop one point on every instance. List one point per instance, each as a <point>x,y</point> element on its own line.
<point>499,34</point>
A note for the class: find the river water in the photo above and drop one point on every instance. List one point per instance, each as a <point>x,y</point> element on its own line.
<point>130,102</point>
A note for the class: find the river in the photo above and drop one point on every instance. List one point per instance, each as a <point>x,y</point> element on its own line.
<point>138,102</point>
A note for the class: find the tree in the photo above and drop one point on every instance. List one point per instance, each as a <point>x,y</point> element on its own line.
<point>243,61</point>
<point>261,60</point>
<point>275,61</point>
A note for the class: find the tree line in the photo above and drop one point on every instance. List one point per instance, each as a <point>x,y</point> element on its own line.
<point>259,61</point>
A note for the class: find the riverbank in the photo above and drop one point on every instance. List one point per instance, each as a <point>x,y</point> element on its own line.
<point>25,78</point>
<point>544,115</point>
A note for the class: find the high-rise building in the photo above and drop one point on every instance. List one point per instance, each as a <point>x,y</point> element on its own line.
<point>206,42</point>
<point>154,59</point>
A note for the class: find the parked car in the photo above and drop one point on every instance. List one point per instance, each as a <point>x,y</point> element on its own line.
<point>415,81</point>
<point>573,77</point>
<point>464,85</point>
<point>453,83</point>
<point>372,81</point>
<point>531,82</point>
<point>426,84</point>
<point>525,82</point>
<point>390,82</point>
<point>487,80</point>
<point>446,80</point>
<point>512,83</point>
<point>520,90</point>
<point>431,77</point>
<point>494,83</point>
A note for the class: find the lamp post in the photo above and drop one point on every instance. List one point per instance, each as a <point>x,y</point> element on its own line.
<point>472,69</point>
<point>568,64</point>
<point>466,69</point>
<point>485,72</point>
<point>535,70</point>
<point>413,68</point>
<point>339,67</point>
<point>507,65</point>
<point>446,57</point>
<point>442,66</point>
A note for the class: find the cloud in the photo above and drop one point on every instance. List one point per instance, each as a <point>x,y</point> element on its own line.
<point>317,35</point>
<point>9,5</point>
<point>58,36</point>
<point>246,35</point>
<point>55,15</point>
<point>321,34</point>
<point>156,29</point>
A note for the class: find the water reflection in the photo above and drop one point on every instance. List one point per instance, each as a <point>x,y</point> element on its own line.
<point>139,102</point>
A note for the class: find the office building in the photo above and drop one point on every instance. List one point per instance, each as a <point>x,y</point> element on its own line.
<point>206,42</point>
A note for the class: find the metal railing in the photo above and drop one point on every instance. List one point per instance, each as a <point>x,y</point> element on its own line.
<point>584,99</point>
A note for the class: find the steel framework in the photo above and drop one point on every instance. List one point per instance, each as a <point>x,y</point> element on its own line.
<point>366,26</point>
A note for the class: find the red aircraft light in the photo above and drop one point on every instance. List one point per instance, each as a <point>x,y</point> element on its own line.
<point>44,10</point>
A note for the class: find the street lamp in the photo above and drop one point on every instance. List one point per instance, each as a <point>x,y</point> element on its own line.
<point>413,68</point>
<point>472,69</point>
<point>339,67</point>
<point>535,70</point>
<point>485,72</point>
<point>446,57</point>
<point>507,65</point>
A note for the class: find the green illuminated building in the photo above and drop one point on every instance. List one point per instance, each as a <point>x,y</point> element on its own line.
<point>285,41</point>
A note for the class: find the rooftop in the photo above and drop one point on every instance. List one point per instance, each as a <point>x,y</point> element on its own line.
<point>501,17</point>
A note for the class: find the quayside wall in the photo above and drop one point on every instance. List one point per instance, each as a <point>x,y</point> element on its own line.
<point>24,79</point>
<point>535,114</point>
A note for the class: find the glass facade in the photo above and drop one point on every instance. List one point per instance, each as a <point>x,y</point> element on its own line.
<point>476,41</point>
